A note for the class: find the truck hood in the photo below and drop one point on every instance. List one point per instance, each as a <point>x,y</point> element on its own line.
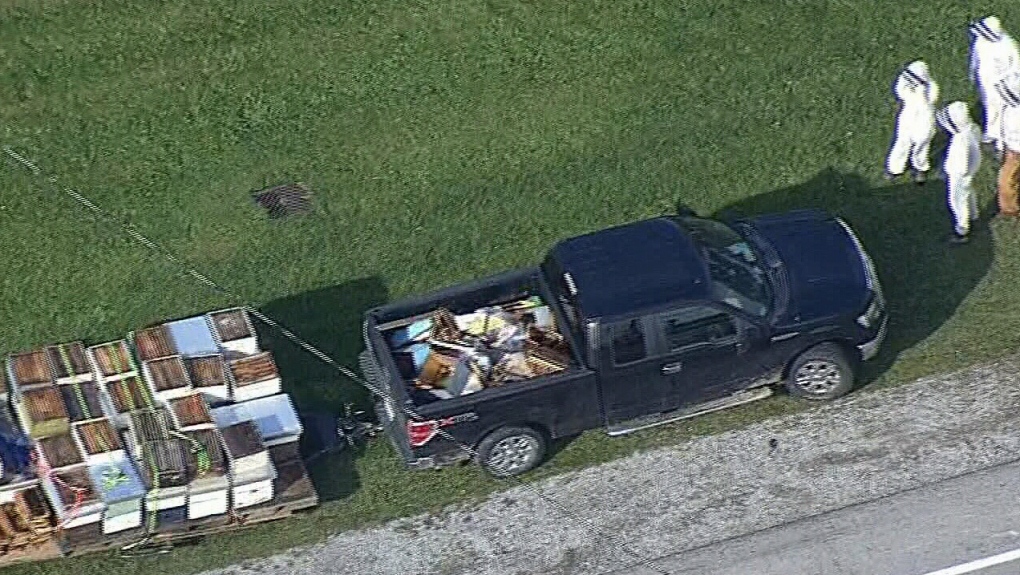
<point>824,271</point>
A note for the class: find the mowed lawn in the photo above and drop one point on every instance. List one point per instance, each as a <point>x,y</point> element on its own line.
<point>444,140</point>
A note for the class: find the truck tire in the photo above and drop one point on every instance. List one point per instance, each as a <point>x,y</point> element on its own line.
<point>510,451</point>
<point>821,373</point>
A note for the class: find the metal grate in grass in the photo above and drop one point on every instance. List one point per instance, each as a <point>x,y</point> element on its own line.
<point>284,200</point>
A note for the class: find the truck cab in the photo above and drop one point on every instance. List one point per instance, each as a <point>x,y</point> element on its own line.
<point>657,320</point>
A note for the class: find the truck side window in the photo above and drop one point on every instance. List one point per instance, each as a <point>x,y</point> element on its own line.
<point>628,342</point>
<point>696,325</point>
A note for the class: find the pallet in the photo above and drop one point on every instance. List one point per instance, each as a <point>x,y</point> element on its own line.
<point>293,492</point>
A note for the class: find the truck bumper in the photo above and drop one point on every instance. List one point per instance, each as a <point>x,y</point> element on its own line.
<point>869,349</point>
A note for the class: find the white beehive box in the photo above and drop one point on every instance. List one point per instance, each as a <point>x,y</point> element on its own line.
<point>209,488</point>
<point>233,331</point>
<point>190,412</point>
<point>254,376</point>
<point>167,377</point>
<point>70,363</point>
<point>112,361</point>
<point>210,377</point>
<point>73,496</point>
<point>274,416</point>
<point>164,468</point>
<point>28,370</point>
<point>121,489</point>
<point>251,469</point>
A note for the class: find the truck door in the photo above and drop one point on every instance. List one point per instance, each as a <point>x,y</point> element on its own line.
<point>706,352</point>
<point>631,375</point>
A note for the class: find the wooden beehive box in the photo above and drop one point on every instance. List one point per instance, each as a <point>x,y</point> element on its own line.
<point>233,331</point>
<point>251,470</point>
<point>73,497</point>
<point>167,377</point>
<point>254,376</point>
<point>112,361</point>
<point>28,370</point>
<point>147,425</point>
<point>69,362</point>
<point>153,343</point>
<point>209,375</point>
<point>164,468</point>
<point>41,412</point>
<point>25,516</point>
<point>209,488</point>
<point>82,401</point>
<point>58,452</point>
<point>96,439</point>
<point>122,396</point>
<point>190,411</point>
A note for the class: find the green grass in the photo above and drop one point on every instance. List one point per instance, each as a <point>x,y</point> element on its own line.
<point>447,139</point>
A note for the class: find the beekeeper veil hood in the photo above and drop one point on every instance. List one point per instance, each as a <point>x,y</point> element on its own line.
<point>1009,90</point>
<point>917,73</point>
<point>954,118</point>
<point>988,28</point>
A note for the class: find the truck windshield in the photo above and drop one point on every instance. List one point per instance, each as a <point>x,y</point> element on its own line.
<point>737,275</point>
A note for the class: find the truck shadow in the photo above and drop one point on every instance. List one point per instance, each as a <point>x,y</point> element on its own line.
<point>330,320</point>
<point>904,227</point>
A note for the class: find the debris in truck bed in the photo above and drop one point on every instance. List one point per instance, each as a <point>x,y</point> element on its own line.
<point>451,355</point>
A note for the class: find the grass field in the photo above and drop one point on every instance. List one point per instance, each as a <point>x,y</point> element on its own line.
<point>447,139</point>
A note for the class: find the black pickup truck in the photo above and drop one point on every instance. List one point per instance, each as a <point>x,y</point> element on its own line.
<point>625,328</point>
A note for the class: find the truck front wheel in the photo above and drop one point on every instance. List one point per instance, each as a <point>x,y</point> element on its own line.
<point>510,451</point>
<point>821,373</point>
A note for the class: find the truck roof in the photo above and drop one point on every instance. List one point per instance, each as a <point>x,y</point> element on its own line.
<point>632,266</point>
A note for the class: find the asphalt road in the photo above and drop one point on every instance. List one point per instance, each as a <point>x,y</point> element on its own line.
<point>962,525</point>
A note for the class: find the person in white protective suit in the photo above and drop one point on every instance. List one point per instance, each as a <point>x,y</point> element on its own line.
<point>915,122</point>
<point>993,56</point>
<point>963,158</point>
<point>1008,90</point>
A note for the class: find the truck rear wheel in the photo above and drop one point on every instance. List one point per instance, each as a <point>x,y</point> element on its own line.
<point>510,451</point>
<point>821,373</point>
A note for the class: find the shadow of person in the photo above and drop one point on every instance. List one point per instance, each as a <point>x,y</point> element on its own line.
<point>905,228</point>
<point>330,320</point>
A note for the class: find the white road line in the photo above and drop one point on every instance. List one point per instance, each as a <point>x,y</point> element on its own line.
<point>979,564</point>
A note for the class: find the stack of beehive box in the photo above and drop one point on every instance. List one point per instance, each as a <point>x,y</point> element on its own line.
<point>209,487</point>
<point>34,395</point>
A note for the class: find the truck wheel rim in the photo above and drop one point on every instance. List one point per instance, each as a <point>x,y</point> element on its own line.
<point>511,454</point>
<point>818,377</point>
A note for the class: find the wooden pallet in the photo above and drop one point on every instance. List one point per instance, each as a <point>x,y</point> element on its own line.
<point>293,492</point>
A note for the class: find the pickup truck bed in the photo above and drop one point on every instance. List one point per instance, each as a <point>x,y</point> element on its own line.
<point>559,395</point>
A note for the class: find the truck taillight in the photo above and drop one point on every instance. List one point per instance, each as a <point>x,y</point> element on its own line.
<point>421,432</point>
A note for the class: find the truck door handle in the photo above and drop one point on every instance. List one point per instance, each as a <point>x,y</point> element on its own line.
<point>671,368</point>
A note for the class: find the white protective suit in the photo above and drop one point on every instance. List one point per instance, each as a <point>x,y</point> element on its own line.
<point>963,158</point>
<point>1008,92</point>
<point>993,56</point>
<point>915,124</point>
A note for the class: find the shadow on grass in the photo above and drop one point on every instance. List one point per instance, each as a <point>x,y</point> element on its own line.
<point>330,320</point>
<point>904,227</point>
